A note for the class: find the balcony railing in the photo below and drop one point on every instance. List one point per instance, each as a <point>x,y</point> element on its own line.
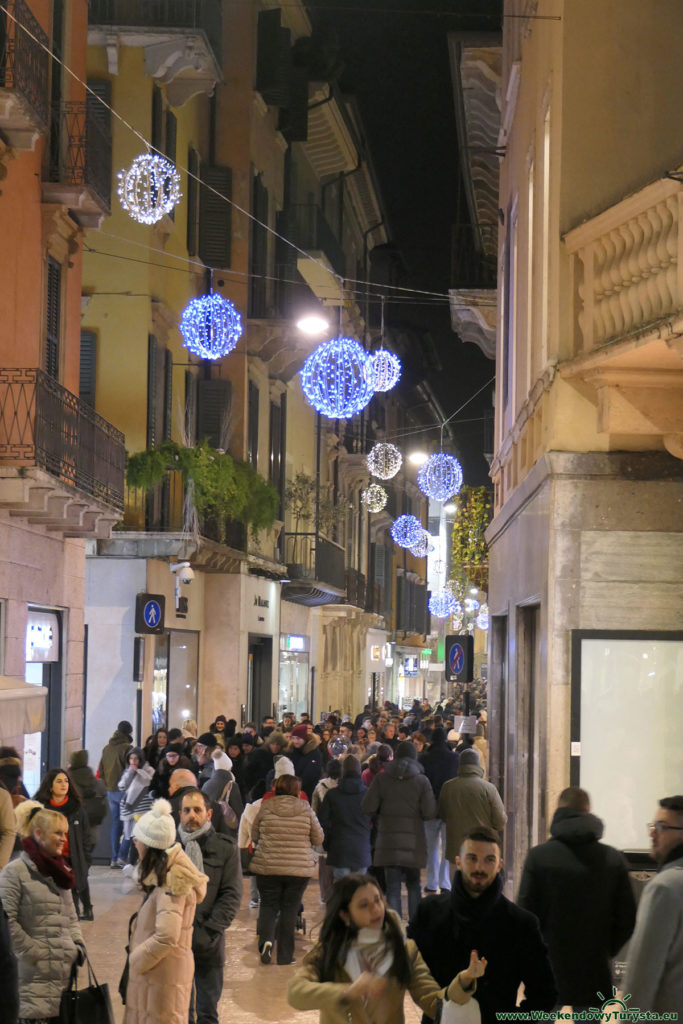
<point>80,151</point>
<point>203,15</point>
<point>24,62</point>
<point>627,274</point>
<point>355,588</point>
<point>315,558</point>
<point>163,510</point>
<point>306,226</point>
<point>42,424</point>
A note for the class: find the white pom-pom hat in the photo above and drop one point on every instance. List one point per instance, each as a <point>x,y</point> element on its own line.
<point>156,828</point>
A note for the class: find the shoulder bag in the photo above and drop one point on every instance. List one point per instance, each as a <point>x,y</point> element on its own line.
<point>89,1005</point>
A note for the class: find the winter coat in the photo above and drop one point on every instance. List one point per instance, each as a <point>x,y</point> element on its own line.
<point>135,785</point>
<point>306,992</point>
<point>162,776</point>
<point>448,927</point>
<point>93,791</point>
<point>308,763</point>
<point>216,911</point>
<point>579,890</point>
<point>114,759</point>
<point>285,832</point>
<point>7,826</point>
<point>468,802</point>
<point>161,962</point>
<point>402,799</point>
<point>45,933</point>
<point>321,791</point>
<point>217,819</point>
<point>259,763</point>
<point>346,826</point>
<point>9,1005</point>
<point>440,764</point>
<point>654,971</point>
<point>80,840</point>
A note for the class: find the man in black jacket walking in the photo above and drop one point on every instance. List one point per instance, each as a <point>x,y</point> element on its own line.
<point>218,857</point>
<point>579,890</point>
<point>476,916</point>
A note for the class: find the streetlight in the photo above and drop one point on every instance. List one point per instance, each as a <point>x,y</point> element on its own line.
<point>313,324</point>
<point>417,458</point>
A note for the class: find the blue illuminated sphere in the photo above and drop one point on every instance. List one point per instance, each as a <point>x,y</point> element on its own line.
<point>441,477</point>
<point>386,370</point>
<point>337,378</point>
<point>210,326</point>
<point>407,531</point>
<point>442,604</point>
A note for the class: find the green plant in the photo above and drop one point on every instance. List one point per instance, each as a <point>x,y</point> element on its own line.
<point>469,550</point>
<point>221,487</point>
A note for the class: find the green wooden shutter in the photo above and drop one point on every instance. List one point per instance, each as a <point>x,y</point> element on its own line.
<point>190,408</point>
<point>215,216</point>
<point>53,316</point>
<point>213,411</point>
<point>273,62</point>
<point>88,367</point>
<point>252,425</point>
<point>168,394</point>
<point>151,391</point>
<point>157,119</point>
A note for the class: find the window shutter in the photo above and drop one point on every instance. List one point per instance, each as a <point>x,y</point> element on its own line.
<point>258,256</point>
<point>215,216</point>
<point>273,62</point>
<point>380,552</point>
<point>213,412</point>
<point>157,119</point>
<point>293,120</point>
<point>86,385</point>
<point>388,577</point>
<point>401,603</point>
<point>151,391</point>
<point>252,429</point>
<point>170,143</point>
<point>190,408</point>
<point>53,317</point>
<point>274,444</point>
<point>192,200</point>
<point>98,140</point>
<point>168,394</point>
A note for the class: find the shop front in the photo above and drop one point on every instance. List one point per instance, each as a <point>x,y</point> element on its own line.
<point>43,668</point>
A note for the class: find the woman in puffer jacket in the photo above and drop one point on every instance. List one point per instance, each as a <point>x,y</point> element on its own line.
<point>35,890</point>
<point>134,784</point>
<point>285,832</point>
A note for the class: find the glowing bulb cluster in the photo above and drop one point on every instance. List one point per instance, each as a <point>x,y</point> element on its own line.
<point>210,326</point>
<point>442,604</point>
<point>386,370</point>
<point>374,498</point>
<point>407,531</point>
<point>440,477</point>
<point>423,546</point>
<point>384,460</point>
<point>149,188</point>
<point>482,619</point>
<point>337,378</point>
<point>471,605</point>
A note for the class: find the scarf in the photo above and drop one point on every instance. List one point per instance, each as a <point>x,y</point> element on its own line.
<point>191,844</point>
<point>470,913</point>
<point>369,951</point>
<point>70,806</point>
<point>55,868</point>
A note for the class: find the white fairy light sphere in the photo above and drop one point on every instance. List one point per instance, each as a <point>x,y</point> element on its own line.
<point>210,326</point>
<point>440,477</point>
<point>456,623</point>
<point>471,605</point>
<point>337,378</point>
<point>482,619</point>
<point>149,188</point>
<point>441,604</point>
<point>421,549</point>
<point>384,460</point>
<point>374,498</point>
<point>386,370</point>
<point>406,531</point>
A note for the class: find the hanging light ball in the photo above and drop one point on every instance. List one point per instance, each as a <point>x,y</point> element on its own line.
<point>421,549</point>
<point>406,531</point>
<point>440,477</point>
<point>456,623</point>
<point>386,370</point>
<point>471,605</point>
<point>384,460</point>
<point>374,498</point>
<point>483,617</point>
<point>439,567</point>
<point>441,604</point>
<point>337,378</point>
<point>210,326</point>
<point>149,188</point>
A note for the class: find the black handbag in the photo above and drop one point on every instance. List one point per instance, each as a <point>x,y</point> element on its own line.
<point>123,982</point>
<point>90,1005</point>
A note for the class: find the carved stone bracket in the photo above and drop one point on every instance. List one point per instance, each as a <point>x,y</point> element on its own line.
<point>61,234</point>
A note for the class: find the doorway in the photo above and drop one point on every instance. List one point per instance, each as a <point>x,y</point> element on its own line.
<point>260,678</point>
<point>43,667</point>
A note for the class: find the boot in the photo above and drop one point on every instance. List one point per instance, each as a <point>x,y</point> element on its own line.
<point>77,906</point>
<point>87,914</point>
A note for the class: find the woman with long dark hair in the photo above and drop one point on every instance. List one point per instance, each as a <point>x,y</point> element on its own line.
<point>58,792</point>
<point>362,965</point>
<point>155,746</point>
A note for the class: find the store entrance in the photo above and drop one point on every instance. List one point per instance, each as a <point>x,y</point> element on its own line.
<point>260,680</point>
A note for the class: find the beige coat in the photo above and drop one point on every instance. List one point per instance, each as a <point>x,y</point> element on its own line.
<point>7,826</point>
<point>161,961</point>
<point>284,833</point>
<point>469,802</point>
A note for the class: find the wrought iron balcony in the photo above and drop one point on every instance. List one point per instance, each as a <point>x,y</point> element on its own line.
<point>355,588</point>
<point>306,226</point>
<point>80,163</point>
<point>65,454</point>
<point>315,567</point>
<point>24,72</point>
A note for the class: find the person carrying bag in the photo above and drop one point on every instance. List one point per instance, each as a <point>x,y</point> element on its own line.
<point>89,1005</point>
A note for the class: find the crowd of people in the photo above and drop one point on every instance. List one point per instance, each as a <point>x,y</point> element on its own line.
<point>369,804</point>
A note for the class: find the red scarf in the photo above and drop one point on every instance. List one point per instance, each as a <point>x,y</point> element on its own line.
<point>55,868</point>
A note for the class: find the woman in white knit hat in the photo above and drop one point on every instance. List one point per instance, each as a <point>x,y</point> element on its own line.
<point>161,962</point>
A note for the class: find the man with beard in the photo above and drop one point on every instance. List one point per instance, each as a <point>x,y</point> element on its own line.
<point>476,915</point>
<point>304,754</point>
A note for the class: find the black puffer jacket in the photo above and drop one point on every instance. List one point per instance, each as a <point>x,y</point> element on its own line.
<point>222,901</point>
<point>308,763</point>
<point>440,764</point>
<point>401,798</point>
<point>580,891</point>
<point>346,825</point>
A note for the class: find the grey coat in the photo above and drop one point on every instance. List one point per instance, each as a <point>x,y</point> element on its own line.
<point>654,971</point>
<point>45,933</point>
<point>401,797</point>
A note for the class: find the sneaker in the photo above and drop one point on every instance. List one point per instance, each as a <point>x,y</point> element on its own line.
<point>266,952</point>
<point>254,903</point>
<point>116,864</point>
<point>128,870</point>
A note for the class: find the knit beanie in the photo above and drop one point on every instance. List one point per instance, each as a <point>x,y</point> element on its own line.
<point>157,827</point>
<point>301,731</point>
<point>174,748</point>
<point>469,757</point>
<point>221,761</point>
<point>207,739</point>
<point>406,749</point>
<point>283,766</point>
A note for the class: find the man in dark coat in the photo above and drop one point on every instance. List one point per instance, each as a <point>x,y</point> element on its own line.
<point>218,858</point>
<point>579,890</point>
<point>440,764</point>
<point>183,781</point>
<point>345,824</point>
<point>262,759</point>
<point>112,763</point>
<point>476,915</point>
<point>402,800</point>
<point>305,755</point>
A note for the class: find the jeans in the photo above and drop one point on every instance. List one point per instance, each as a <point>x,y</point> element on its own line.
<point>114,800</point>
<point>438,875</point>
<point>279,894</point>
<point>206,991</point>
<point>394,876</point>
<point>338,873</point>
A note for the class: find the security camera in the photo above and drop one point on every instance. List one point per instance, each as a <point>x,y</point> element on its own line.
<point>183,572</point>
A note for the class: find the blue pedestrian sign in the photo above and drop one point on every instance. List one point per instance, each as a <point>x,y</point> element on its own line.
<point>456,659</point>
<point>149,613</point>
<point>459,658</point>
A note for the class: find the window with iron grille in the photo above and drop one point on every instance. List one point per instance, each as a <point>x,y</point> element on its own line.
<point>53,308</point>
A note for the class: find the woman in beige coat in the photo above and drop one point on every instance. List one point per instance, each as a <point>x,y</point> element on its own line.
<point>161,962</point>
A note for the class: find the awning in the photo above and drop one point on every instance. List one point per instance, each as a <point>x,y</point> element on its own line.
<point>22,707</point>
